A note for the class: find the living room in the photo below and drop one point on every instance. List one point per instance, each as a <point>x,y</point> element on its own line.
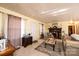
<point>18,21</point>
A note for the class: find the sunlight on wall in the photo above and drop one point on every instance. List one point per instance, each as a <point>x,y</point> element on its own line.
<point>1,24</point>
<point>5,24</point>
<point>33,27</point>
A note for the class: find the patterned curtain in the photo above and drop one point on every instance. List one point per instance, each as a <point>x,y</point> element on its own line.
<point>14,30</point>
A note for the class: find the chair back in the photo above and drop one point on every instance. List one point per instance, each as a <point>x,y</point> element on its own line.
<point>64,43</point>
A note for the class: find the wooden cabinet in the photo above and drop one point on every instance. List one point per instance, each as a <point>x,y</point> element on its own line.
<point>56,32</point>
<point>26,41</point>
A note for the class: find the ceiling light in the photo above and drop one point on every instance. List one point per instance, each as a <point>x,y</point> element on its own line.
<point>58,11</point>
<point>48,11</point>
<point>57,14</point>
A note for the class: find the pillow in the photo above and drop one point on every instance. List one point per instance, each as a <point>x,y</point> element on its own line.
<point>75,36</point>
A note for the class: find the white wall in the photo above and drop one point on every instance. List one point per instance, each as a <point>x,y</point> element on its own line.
<point>64,26</point>
<point>1,23</point>
<point>22,27</point>
<point>33,27</point>
<point>5,19</point>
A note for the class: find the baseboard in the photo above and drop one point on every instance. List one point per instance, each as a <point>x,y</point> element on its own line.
<point>35,41</point>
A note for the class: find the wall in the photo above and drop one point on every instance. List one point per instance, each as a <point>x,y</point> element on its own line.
<point>64,25</point>
<point>3,20</point>
<point>5,24</point>
<point>1,24</point>
<point>33,27</point>
<point>29,25</point>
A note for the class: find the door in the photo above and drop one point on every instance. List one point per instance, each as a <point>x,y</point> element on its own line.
<point>71,29</point>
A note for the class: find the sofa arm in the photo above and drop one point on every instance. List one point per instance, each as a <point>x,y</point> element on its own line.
<point>8,51</point>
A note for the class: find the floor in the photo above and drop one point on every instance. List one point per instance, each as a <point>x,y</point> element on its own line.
<point>30,50</point>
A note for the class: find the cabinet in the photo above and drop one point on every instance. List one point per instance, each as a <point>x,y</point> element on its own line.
<point>26,41</point>
<point>56,32</point>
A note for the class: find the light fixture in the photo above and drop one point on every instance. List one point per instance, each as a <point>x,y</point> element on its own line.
<point>54,12</point>
<point>48,11</point>
<point>59,11</point>
<point>71,21</point>
<point>57,14</point>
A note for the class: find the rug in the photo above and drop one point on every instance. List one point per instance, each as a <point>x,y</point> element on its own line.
<point>70,51</point>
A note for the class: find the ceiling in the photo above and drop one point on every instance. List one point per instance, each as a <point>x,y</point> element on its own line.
<point>46,12</point>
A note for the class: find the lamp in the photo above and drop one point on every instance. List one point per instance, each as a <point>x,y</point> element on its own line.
<point>71,22</point>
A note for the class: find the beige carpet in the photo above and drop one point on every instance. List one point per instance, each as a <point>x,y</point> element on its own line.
<point>70,50</point>
<point>30,50</point>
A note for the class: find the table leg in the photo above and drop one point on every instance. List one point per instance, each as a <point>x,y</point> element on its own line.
<point>53,47</point>
<point>45,45</point>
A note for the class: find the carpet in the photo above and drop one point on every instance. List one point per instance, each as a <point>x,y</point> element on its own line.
<point>70,51</point>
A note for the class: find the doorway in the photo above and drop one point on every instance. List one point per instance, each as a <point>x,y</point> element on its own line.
<point>71,29</point>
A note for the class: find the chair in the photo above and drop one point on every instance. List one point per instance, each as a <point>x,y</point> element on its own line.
<point>50,41</point>
<point>8,51</point>
<point>64,43</point>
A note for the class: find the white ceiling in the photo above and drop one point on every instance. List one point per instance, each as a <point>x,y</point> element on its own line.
<point>46,12</point>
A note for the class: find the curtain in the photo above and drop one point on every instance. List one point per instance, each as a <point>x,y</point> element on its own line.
<point>5,22</point>
<point>14,30</point>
